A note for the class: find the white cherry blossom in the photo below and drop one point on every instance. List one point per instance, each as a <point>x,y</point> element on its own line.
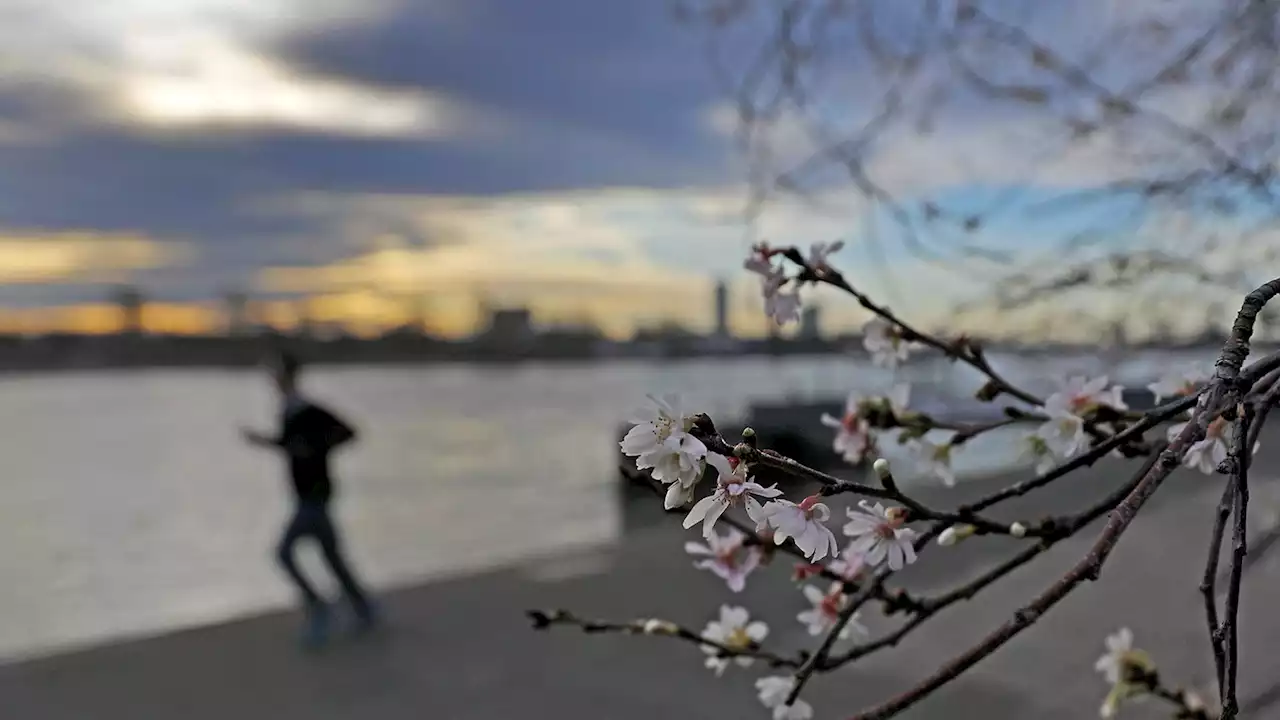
<point>733,488</point>
<point>1180,383</point>
<point>727,556</point>
<point>850,565</point>
<point>1207,454</point>
<point>820,251</point>
<point>661,441</point>
<point>826,610</point>
<point>804,524</point>
<point>783,305</point>
<point>896,401</point>
<point>773,692</point>
<point>1077,395</point>
<point>1036,450</point>
<point>1062,435</point>
<point>760,261</point>
<point>878,535</point>
<point>933,459</point>
<point>853,439</point>
<point>884,341</point>
<point>735,631</point>
<point>1119,666</point>
<point>1119,656</point>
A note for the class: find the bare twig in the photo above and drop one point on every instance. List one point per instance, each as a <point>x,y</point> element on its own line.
<point>542,620</point>
<point>1238,465</point>
<point>1208,585</point>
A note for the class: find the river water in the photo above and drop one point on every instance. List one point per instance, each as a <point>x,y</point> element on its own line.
<point>130,506</point>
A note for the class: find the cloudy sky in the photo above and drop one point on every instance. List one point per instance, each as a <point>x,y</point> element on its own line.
<point>383,156</point>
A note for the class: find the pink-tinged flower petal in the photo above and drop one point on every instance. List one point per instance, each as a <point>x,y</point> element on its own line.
<point>700,510</point>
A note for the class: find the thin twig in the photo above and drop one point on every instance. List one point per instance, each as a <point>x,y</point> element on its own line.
<point>661,628</point>
<point>1208,585</point>
<point>1238,463</point>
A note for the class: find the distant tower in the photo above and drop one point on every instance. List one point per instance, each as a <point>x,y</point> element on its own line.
<point>810,322</point>
<point>722,309</point>
<point>129,300</point>
<point>237,313</point>
<point>305,327</point>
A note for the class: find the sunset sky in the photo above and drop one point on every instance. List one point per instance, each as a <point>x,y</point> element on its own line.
<point>577,156</point>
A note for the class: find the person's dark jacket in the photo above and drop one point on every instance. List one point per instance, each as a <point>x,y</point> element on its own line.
<point>308,435</point>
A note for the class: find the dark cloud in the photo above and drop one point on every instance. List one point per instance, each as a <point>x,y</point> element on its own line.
<point>586,94</point>
<point>592,92</point>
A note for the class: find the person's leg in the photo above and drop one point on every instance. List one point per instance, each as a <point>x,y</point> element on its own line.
<point>303,525</point>
<point>331,546</point>
<point>293,532</point>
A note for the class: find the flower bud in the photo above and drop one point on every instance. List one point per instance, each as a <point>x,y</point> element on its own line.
<point>881,466</point>
<point>659,627</point>
<point>955,534</point>
<point>1018,530</point>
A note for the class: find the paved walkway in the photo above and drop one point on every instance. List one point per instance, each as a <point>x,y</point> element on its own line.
<point>461,650</point>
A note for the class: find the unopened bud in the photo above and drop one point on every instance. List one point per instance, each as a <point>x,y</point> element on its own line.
<point>955,534</point>
<point>881,466</point>
<point>660,627</point>
<point>988,392</point>
<point>948,537</point>
<point>748,433</point>
<point>1018,530</point>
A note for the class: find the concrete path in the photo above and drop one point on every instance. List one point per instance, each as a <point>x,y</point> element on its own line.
<point>462,650</point>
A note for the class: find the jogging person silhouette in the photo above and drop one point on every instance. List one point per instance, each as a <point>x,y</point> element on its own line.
<point>308,434</point>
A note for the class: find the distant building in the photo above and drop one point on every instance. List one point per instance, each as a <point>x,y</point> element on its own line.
<point>237,313</point>
<point>130,301</point>
<point>722,309</point>
<point>510,325</point>
<point>810,323</point>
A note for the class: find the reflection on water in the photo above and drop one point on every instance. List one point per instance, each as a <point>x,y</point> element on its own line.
<point>129,504</point>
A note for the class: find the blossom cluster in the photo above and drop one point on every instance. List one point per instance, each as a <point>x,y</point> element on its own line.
<point>666,441</point>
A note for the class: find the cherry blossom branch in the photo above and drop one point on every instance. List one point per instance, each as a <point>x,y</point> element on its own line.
<point>1153,418</point>
<point>707,433</point>
<point>1221,397</point>
<point>681,448</point>
<point>921,512</point>
<point>1089,568</point>
<point>1238,465</point>
<point>963,350</point>
<point>1064,528</point>
<point>1188,706</point>
<point>896,601</point>
<point>661,628</point>
<point>832,485</point>
<point>1208,585</point>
